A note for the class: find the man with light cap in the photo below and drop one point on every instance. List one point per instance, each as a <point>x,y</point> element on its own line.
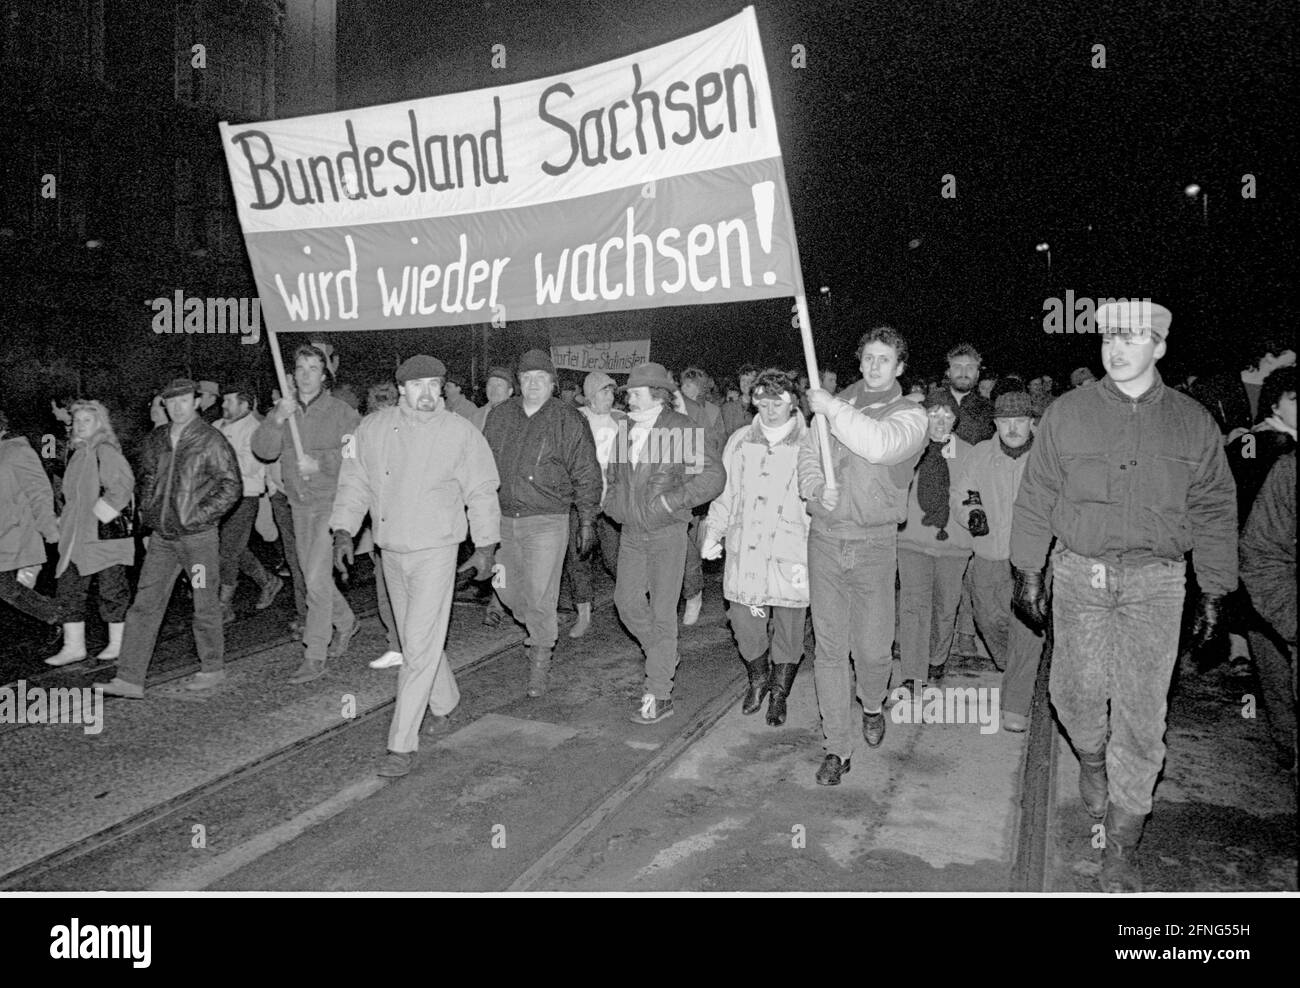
<point>418,469</point>
<point>1128,476</point>
<point>983,498</point>
<point>547,463</point>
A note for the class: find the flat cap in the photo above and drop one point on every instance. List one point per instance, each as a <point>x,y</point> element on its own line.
<point>1126,315</point>
<point>421,366</point>
<point>1013,405</point>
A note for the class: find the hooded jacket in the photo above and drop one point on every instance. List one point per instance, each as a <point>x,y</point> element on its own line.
<point>1130,480</point>
<point>188,489</point>
<point>876,441</point>
<point>26,507</point>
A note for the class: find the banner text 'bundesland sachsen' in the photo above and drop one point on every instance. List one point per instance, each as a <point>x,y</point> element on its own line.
<point>651,180</point>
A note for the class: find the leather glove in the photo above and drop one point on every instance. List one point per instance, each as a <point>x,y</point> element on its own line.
<point>979,523</point>
<point>343,556</point>
<point>1029,598</point>
<point>1209,612</point>
<point>586,539</point>
<point>481,562</point>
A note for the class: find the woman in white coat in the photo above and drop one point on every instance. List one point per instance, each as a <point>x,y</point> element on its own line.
<point>762,520</point>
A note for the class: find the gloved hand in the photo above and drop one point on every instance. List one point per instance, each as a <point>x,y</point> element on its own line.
<point>481,562</point>
<point>1209,610</point>
<point>586,539</point>
<point>1029,598</point>
<point>979,523</point>
<point>343,556</point>
<point>712,548</point>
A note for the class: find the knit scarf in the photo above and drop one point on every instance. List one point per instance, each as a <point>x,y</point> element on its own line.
<point>1016,454</point>
<point>774,434</point>
<point>932,487</point>
<point>642,422</point>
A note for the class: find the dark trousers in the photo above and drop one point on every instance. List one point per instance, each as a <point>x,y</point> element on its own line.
<point>648,585</point>
<point>577,572</point>
<point>1012,644</point>
<point>199,556</point>
<point>693,569</point>
<point>28,601</point>
<point>783,643</point>
<point>283,515</point>
<point>236,557</point>
<point>114,594</point>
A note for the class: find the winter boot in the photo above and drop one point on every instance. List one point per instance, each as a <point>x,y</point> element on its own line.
<point>539,666</point>
<point>760,684</point>
<point>1123,830</point>
<point>114,647</point>
<point>270,588</point>
<point>584,621</point>
<point>74,645</point>
<point>783,674</point>
<point>227,605</point>
<point>1093,785</point>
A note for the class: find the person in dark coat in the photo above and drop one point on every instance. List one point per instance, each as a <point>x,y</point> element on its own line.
<point>1233,396</point>
<point>975,423</point>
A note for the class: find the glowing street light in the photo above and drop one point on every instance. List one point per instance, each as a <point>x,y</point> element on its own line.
<point>1045,248</point>
<point>1194,191</point>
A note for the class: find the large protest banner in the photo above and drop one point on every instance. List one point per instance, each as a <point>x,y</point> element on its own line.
<point>654,179</point>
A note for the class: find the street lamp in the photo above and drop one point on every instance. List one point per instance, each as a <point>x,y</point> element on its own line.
<point>1192,192</point>
<point>1045,248</point>
<point>826,294</point>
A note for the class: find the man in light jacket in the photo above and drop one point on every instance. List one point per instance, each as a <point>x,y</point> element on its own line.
<point>416,469</point>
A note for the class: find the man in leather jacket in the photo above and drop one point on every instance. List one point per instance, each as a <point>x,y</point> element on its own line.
<point>1129,476</point>
<point>189,479</point>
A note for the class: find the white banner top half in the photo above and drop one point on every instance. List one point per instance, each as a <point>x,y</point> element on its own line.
<point>655,179</point>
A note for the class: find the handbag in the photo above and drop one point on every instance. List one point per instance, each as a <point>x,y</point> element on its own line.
<point>121,527</point>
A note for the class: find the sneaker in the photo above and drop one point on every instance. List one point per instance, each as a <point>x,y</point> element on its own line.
<point>1014,723</point>
<point>652,710</point>
<point>206,680</point>
<point>342,639</point>
<point>693,605</point>
<point>308,671</point>
<point>831,771</point>
<point>387,660</point>
<point>396,764</point>
<point>873,728</point>
<point>118,686</point>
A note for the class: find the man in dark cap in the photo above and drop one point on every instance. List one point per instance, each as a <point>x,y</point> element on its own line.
<point>659,470</point>
<point>417,470</point>
<point>188,480</point>
<point>325,425</point>
<point>982,501</point>
<point>500,386</point>
<point>1128,476</point>
<point>546,459</point>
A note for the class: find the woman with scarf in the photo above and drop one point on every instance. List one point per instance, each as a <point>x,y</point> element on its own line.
<point>98,486</point>
<point>762,520</point>
<point>932,551</point>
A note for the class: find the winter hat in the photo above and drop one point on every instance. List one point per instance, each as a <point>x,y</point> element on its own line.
<point>421,366</point>
<point>650,375</point>
<point>180,386</point>
<point>594,382</point>
<point>536,360</point>
<point>503,373</point>
<point>1013,405</point>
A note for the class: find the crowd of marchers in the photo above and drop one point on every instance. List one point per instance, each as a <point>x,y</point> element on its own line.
<point>908,523</point>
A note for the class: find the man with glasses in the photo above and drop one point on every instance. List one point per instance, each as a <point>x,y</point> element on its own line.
<point>1128,476</point>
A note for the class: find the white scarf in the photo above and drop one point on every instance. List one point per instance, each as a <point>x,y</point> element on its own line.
<point>775,434</point>
<point>642,422</point>
<point>1273,422</point>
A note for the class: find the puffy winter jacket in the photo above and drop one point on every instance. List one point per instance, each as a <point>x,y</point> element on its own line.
<point>1129,479</point>
<point>26,507</point>
<point>876,441</point>
<point>633,497</point>
<point>762,518</point>
<point>187,490</point>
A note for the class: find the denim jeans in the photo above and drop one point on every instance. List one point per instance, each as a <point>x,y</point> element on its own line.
<point>283,515</point>
<point>646,590</point>
<point>1013,645</point>
<point>577,579</point>
<point>199,556</point>
<point>929,591</point>
<point>1116,631</point>
<point>532,552</point>
<point>420,585</point>
<point>851,584</point>
<point>236,557</point>
<point>325,605</point>
<point>693,569</point>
